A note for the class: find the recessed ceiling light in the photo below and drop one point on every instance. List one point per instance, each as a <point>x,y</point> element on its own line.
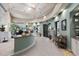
<point>44,17</point>
<point>33,6</point>
<point>29,8</point>
<point>62,9</point>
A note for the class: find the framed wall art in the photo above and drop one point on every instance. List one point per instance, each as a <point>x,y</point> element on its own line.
<point>64,24</point>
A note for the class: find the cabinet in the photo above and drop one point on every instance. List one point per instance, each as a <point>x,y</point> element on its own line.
<point>76,27</point>
<point>75,46</point>
<point>62,41</point>
<point>78,48</point>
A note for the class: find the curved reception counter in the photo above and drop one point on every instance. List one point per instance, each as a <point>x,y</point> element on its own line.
<point>23,43</point>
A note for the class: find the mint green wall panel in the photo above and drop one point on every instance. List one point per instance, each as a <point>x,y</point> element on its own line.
<point>65,15</point>
<point>22,42</point>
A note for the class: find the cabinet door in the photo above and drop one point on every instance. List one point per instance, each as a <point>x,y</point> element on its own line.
<point>74,46</point>
<point>78,48</point>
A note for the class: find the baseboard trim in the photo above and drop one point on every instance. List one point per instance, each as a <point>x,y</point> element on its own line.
<point>16,53</point>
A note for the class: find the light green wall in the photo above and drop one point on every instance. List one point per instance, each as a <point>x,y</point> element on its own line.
<point>46,22</point>
<point>65,15</point>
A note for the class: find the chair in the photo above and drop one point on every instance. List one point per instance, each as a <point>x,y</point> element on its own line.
<point>62,41</point>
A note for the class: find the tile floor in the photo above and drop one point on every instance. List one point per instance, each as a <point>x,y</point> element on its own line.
<point>7,48</point>
<point>43,47</point>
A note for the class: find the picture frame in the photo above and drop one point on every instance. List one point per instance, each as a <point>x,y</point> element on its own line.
<point>64,25</point>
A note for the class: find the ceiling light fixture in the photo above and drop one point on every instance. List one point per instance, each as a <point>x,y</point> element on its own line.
<point>31,5</point>
<point>38,23</point>
<point>76,14</point>
<point>44,17</point>
<point>26,23</point>
<point>76,20</point>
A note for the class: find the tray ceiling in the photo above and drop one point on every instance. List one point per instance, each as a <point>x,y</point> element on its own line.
<point>33,11</point>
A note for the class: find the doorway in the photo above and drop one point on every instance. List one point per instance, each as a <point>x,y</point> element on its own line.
<point>45,30</point>
<point>57,27</point>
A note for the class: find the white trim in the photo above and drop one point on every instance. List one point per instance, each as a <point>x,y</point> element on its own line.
<point>34,41</point>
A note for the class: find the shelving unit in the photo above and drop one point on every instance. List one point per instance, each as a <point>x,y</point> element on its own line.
<point>76,27</point>
<point>75,39</point>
